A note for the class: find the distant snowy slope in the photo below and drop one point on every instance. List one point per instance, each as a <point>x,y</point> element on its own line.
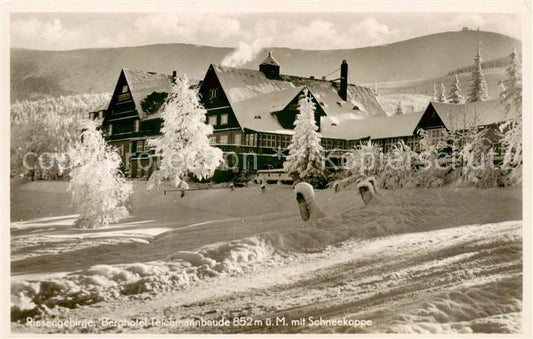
<point>37,73</point>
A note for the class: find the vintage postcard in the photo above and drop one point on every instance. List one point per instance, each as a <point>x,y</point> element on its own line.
<point>266,168</point>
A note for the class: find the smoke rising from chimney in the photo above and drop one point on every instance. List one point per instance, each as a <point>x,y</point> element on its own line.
<point>245,52</point>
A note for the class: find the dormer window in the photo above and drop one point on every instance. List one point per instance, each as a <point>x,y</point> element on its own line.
<point>257,117</point>
<point>124,88</point>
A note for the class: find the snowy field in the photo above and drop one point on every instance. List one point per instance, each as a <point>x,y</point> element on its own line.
<point>445,260</point>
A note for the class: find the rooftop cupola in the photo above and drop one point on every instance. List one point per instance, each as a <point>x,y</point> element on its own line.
<point>270,67</point>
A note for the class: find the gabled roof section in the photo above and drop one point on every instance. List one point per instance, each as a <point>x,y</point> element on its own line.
<point>361,99</point>
<point>143,83</point>
<point>270,60</point>
<point>349,127</point>
<point>256,113</point>
<point>459,116</point>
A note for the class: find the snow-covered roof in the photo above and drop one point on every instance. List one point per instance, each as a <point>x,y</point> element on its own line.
<point>242,84</point>
<point>143,83</point>
<point>270,60</point>
<point>254,97</point>
<point>458,116</point>
<point>256,113</point>
<point>350,128</point>
<point>361,99</point>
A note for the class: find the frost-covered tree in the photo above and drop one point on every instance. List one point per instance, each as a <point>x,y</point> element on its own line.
<point>184,145</point>
<point>99,190</point>
<point>366,159</point>
<point>511,94</point>
<point>398,110</point>
<point>454,96</point>
<point>304,161</point>
<point>435,95</point>
<point>433,160</point>
<point>42,130</point>
<point>511,130</point>
<point>376,91</point>
<point>399,167</point>
<point>478,87</point>
<point>441,95</point>
<point>474,154</point>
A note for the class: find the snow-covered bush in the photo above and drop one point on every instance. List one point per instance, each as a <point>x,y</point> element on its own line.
<point>41,131</point>
<point>474,160</point>
<point>305,161</point>
<point>511,130</point>
<point>399,167</point>
<point>433,163</point>
<point>184,144</point>
<point>98,187</point>
<point>366,159</point>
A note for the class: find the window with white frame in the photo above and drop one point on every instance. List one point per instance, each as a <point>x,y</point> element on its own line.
<point>140,146</point>
<point>413,143</point>
<point>327,143</point>
<point>213,93</point>
<point>224,119</point>
<point>212,120</point>
<point>136,126</point>
<point>111,129</point>
<point>223,139</point>
<point>237,138</point>
<point>389,143</point>
<point>212,140</point>
<point>250,139</point>
<point>124,88</point>
<point>436,135</point>
<point>285,141</point>
<point>269,140</point>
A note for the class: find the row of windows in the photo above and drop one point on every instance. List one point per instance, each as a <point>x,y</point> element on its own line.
<point>212,119</point>
<point>223,139</point>
<point>333,144</point>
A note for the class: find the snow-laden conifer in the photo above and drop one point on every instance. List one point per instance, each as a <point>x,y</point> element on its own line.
<point>478,87</point>
<point>99,190</point>
<point>398,110</point>
<point>304,161</point>
<point>184,144</point>
<point>441,95</point>
<point>454,96</point>
<point>511,96</point>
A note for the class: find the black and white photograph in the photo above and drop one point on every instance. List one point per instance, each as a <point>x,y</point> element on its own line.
<point>223,168</point>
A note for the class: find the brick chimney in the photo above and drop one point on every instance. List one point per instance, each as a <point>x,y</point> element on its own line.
<point>174,76</point>
<point>343,90</point>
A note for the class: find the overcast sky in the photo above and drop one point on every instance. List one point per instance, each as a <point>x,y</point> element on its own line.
<point>60,31</point>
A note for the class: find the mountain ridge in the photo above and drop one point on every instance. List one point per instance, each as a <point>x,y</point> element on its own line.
<point>37,73</point>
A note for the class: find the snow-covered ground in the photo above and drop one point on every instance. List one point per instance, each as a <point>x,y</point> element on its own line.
<point>426,261</point>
